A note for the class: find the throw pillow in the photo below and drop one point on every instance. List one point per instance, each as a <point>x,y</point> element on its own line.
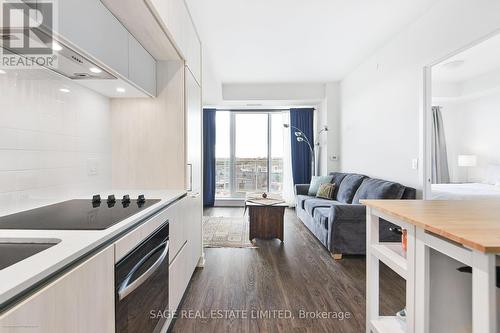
<point>326,191</point>
<point>316,181</point>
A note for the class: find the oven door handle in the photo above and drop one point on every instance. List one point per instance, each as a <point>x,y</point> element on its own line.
<point>127,287</point>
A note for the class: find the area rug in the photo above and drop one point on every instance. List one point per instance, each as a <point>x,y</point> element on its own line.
<point>226,232</point>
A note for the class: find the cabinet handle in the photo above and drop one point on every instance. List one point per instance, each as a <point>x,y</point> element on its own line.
<point>127,287</point>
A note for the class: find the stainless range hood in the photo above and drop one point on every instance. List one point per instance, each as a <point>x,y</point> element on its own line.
<point>77,67</point>
<point>68,62</point>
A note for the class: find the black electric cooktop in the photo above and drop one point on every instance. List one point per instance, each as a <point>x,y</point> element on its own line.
<point>92,214</point>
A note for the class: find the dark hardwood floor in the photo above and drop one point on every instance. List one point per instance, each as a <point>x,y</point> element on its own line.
<point>296,277</point>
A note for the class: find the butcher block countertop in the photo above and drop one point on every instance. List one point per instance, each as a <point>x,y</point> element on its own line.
<point>474,224</point>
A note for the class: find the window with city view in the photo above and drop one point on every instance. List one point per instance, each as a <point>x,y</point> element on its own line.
<point>249,153</point>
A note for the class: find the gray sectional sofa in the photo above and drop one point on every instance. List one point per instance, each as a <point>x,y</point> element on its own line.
<point>340,224</point>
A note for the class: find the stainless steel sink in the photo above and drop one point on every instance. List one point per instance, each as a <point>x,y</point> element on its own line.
<point>15,250</point>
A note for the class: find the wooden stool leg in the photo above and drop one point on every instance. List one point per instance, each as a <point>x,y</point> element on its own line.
<point>336,256</point>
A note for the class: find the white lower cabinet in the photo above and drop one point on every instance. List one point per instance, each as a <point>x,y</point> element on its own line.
<point>80,301</point>
<point>176,215</point>
<point>177,281</point>
<point>187,225</point>
<point>132,239</point>
<point>194,231</point>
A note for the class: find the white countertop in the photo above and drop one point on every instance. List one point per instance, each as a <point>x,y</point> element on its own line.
<point>71,244</point>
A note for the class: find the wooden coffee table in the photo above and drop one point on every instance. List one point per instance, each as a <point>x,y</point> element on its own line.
<point>266,221</point>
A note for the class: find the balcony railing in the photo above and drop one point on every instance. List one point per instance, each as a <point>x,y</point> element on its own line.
<point>249,175</point>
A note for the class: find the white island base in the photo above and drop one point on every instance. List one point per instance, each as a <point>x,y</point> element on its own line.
<point>439,299</point>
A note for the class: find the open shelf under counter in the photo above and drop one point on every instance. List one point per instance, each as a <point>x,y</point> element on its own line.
<point>465,231</point>
<point>388,324</point>
<point>402,262</point>
<point>392,255</point>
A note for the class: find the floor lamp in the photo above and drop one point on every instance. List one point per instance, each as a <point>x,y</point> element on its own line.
<point>301,137</point>
<point>318,144</point>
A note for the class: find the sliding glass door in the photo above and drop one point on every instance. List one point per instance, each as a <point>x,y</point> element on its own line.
<point>276,155</point>
<point>223,159</point>
<point>249,153</point>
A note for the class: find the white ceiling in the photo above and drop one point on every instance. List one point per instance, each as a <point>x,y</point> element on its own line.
<point>249,41</point>
<point>478,60</point>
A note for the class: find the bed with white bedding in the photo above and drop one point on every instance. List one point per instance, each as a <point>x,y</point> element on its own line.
<point>465,191</point>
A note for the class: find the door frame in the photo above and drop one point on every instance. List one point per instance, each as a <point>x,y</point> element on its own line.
<point>426,114</point>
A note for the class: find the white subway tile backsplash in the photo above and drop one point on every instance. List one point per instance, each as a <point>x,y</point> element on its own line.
<point>27,179</point>
<point>7,182</point>
<point>8,138</point>
<point>28,160</point>
<point>8,160</point>
<point>48,137</point>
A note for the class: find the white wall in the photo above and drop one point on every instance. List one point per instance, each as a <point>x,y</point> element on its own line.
<point>49,139</point>
<point>321,120</point>
<point>381,99</point>
<point>470,112</point>
<point>481,85</point>
<point>325,97</point>
<point>211,84</point>
<point>273,91</point>
<point>332,92</point>
<point>471,127</point>
<point>476,87</point>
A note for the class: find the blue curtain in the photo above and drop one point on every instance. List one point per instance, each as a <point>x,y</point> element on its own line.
<point>209,157</point>
<point>302,119</point>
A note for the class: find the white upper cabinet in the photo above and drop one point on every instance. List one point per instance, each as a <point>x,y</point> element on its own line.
<point>193,133</point>
<point>175,16</point>
<point>142,69</point>
<point>90,25</point>
<point>94,30</point>
<point>193,52</point>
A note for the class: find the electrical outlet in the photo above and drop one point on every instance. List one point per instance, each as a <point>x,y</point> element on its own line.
<point>414,164</point>
<point>334,158</point>
<point>92,167</point>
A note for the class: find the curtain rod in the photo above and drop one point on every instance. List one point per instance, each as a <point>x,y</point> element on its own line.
<point>258,110</point>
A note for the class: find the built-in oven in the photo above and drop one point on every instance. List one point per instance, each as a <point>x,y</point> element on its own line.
<point>141,281</point>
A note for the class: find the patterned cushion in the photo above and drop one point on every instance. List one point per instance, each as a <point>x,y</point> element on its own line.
<point>326,191</point>
<point>316,182</point>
